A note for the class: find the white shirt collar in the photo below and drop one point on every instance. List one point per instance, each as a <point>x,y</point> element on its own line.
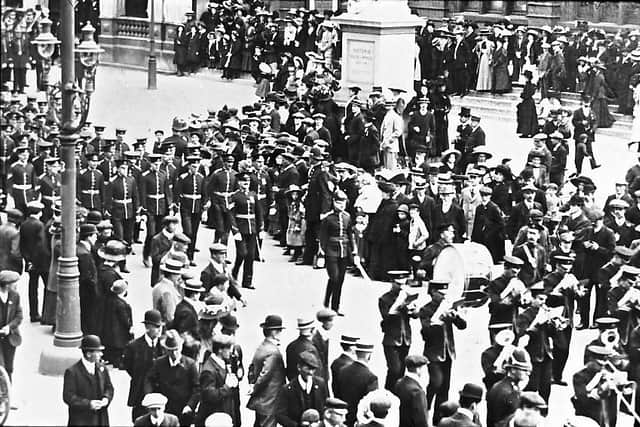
<point>157,421</point>
<point>4,296</point>
<point>167,234</point>
<point>467,413</point>
<point>306,386</point>
<point>149,341</point>
<point>219,266</point>
<point>89,366</point>
<point>175,363</point>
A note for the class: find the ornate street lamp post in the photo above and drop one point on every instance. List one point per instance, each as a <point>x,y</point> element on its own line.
<point>152,71</point>
<point>70,118</point>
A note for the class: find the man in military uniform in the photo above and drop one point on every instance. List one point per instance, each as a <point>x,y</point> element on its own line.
<point>121,203</point>
<point>221,188</point>
<point>336,243</point>
<point>108,164</point>
<point>98,140</point>
<point>155,199</point>
<point>246,225</point>
<point>261,186</point>
<point>45,149</point>
<point>6,151</point>
<point>189,192</point>
<point>21,178</point>
<point>317,203</point>
<point>503,302</point>
<point>119,145</point>
<point>91,184</point>
<point>48,185</point>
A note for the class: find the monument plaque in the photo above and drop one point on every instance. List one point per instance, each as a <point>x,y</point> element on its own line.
<point>361,61</point>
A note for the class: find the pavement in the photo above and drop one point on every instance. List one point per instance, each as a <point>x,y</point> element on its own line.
<point>121,98</point>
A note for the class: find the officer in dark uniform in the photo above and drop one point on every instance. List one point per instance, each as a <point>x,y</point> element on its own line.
<point>108,164</point>
<point>49,185</point>
<point>91,184</point>
<point>317,203</point>
<point>503,304</point>
<point>155,198</point>
<point>21,178</point>
<point>122,202</point>
<point>261,185</point>
<point>120,146</point>
<point>221,188</point>
<point>44,151</point>
<point>338,247</point>
<point>135,171</point>
<point>168,165</point>
<point>246,225</point>
<point>189,192</point>
<point>98,140</point>
<point>6,151</point>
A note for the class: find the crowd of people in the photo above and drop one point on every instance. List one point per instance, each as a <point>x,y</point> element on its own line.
<point>377,189</point>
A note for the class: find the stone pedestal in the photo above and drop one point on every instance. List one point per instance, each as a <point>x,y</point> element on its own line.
<point>543,13</point>
<point>378,40</point>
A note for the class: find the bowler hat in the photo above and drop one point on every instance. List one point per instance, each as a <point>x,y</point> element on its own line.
<point>91,343</point>
<point>119,287</point>
<point>272,321</point>
<point>152,317</point>
<point>471,391</point>
<point>87,230</point>
<point>229,322</point>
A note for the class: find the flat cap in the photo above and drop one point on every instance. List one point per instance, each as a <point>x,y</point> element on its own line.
<point>325,314</point>
<point>309,359</point>
<point>154,400</point>
<point>334,403</point>
<point>8,277</point>
<point>532,399</point>
<point>512,260</point>
<point>415,361</point>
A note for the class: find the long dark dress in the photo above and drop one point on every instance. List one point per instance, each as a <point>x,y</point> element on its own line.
<point>51,291</point>
<point>501,79</point>
<point>527,114</point>
<point>380,237</point>
<point>179,51</point>
<point>441,107</point>
<point>597,88</point>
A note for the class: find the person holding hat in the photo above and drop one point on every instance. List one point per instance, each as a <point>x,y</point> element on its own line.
<point>138,358</point>
<point>10,257</point>
<point>356,380</point>
<point>90,184</point>
<point>467,413</point>
<point>411,390</point>
<point>36,253</point>
<point>155,199</point>
<point>266,373</point>
<point>306,391</point>
<point>87,388</point>
<point>155,404</point>
<point>338,247</point>
<point>592,397</point>
<point>160,244</point>
<point>10,337</point>
<point>217,383</point>
<point>189,192</point>
<point>21,178</point>
<point>175,376</point>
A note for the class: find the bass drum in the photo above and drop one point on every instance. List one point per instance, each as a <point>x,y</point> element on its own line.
<point>467,267</point>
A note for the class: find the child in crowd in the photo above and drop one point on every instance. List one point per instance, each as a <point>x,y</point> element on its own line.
<point>297,224</point>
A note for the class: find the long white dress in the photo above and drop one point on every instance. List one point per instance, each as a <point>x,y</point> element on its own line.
<point>485,70</point>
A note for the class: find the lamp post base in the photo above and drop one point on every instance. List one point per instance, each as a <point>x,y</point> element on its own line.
<point>152,73</point>
<point>55,360</point>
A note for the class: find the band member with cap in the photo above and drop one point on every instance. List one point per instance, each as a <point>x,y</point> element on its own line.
<point>446,233</point>
<point>36,253</point>
<point>175,376</point>
<point>338,247</point>
<point>10,320</point>
<point>49,185</point>
<point>137,359</point>
<point>622,301</point>
<point>155,199</point>
<point>246,225</point>
<point>87,388</point>
<point>533,255</point>
<point>267,373</point>
<point>21,178</point>
<point>534,328</point>
<point>161,244</point>
<point>595,389</point>
<point>217,383</point>
<point>505,295</point>
<point>467,413</point>
<point>437,319</point>
<point>504,397</point>
<point>494,357</point>
<point>488,225</point>
<point>306,391</point>
<point>411,390</point>
<point>608,336</point>
<point>91,184</point>
<point>348,345</point>
<point>155,404</point>
<point>300,345</point>
<point>189,192</point>
<point>121,202</point>
<point>356,380</point>
<point>395,308</point>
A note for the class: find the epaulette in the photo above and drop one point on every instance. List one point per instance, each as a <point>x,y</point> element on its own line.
<point>183,175</point>
<point>42,176</point>
<point>113,178</point>
<point>145,173</point>
<point>82,171</point>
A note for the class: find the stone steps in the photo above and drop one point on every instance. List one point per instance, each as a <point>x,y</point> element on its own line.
<point>504,106</point>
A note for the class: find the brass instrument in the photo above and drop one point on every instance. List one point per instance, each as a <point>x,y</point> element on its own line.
<point>552,317</point>
<point>610,338</point>
<point>504,339</point>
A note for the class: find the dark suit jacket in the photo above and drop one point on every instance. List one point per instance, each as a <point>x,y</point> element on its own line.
<point>180,384</point>
<point>89,292</point>
<point>160,245</point>
<point>137,360</point>
<point>215,395</point>
<point>414,410</point>
<point>14,318</point>
<point>354,382</point>
<point>169,420</point>
<point>291,401</point>
<point>267,374</point>
<point>80,387</point>
<point>33,244</point>
<point>322,346</point>
<point>336,366</point>
<point>584,124</point>
<point>439,337</point>
<point>519,217</point>
<point>531,273</point>
<point>395,327</point>
<point>457,420</point>
<point>117,322</point>
<point>475,139</point>
<point>294,349</point>
<point>502,400</point>
<point>207,275</point>
<point>185,319</point>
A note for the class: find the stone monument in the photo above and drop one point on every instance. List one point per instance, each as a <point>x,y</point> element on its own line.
<point>378,44</point>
